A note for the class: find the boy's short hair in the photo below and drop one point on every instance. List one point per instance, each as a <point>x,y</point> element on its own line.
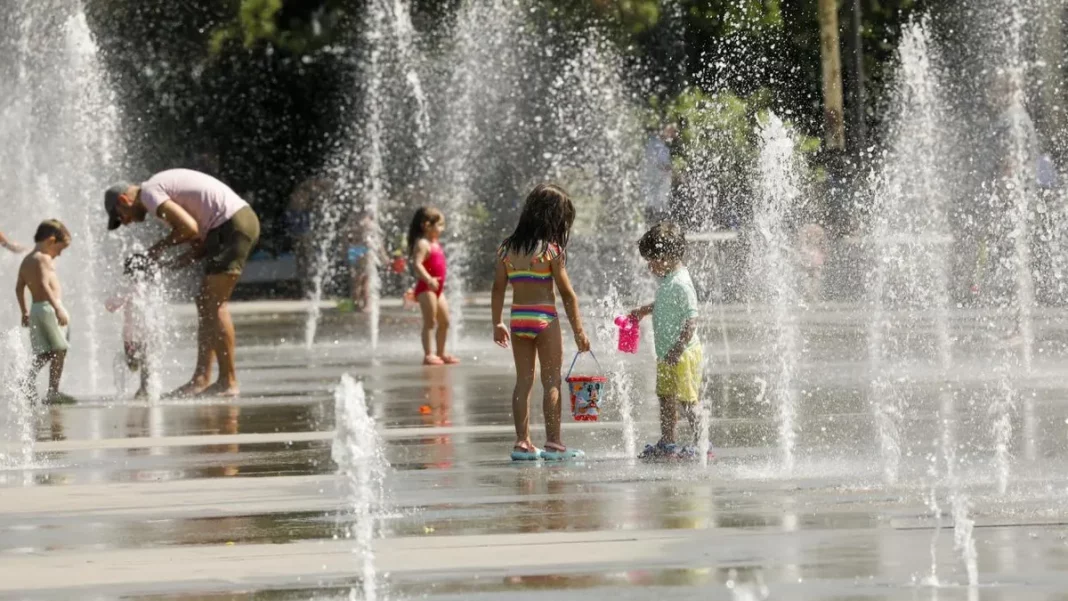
<point>52,228</point>
<point>664,240</point>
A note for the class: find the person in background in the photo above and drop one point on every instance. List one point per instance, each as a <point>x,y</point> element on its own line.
<point>813,246</point>
<point>357,254</point>
<point>9,245</point>
<point>657,175</point>
<point>299,215</point>
<point>430,267</point>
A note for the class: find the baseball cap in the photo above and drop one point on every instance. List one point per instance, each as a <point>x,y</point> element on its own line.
<point>111,202</point>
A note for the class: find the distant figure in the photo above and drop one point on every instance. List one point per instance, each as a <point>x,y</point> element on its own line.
<point>9,245</point>
<point>46,319</point>
<point>656,175</point>
<point>303,202</point>
<point>679,354</point>
<point>533,261</point>
<point>221,229</point>
<point>133,300</point>
<point>813,248</point>
<point>357,253</point>
<point>429,264</point>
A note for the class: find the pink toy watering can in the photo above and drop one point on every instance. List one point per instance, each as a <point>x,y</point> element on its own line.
<point>629,333</point>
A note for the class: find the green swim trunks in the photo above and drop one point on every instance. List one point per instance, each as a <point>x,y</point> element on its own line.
<point>46,335</point>
<point>228,246</point>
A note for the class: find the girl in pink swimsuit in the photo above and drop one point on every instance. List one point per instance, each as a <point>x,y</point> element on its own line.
<point>429,264</point>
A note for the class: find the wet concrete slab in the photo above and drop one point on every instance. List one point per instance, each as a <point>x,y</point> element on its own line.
<point>242,494</point>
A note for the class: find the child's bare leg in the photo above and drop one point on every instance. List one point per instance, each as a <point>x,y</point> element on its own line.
<point>669,414</point>
<point>525,353</point>
<point>365,289</point>
<point>443,325</point>
<point>29,382</point>
<point>690,412</point>
<point>428,305</point>
<point>55,371</point>
<point>355,277</point>
<point>142,392</point>
<point>550,346</point>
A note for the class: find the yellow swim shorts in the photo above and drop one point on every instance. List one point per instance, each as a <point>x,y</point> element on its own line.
<point>682,380</point>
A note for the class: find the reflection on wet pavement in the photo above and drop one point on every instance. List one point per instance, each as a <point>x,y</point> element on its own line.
<point>236,479</point>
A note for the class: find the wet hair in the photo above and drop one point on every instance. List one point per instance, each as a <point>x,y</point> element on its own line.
<point>423,216</point>
<point>139,266</point>
<point>546,219</point>
<point>664,241</point>
<point>52,228</point>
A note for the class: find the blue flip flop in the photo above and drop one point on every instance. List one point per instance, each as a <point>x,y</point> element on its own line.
<point>561,454</point>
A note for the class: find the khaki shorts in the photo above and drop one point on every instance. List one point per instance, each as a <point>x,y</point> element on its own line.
<point>46,335</point>
<point>682,380</point>
<point>228,246</point>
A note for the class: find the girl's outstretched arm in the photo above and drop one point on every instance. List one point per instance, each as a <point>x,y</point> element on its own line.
<point>418,256</point>
<point>567,293</point>
<point>500,284</point>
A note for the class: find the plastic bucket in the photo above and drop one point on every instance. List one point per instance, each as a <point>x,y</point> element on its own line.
<point>586,394</point>
<point>629,334</point>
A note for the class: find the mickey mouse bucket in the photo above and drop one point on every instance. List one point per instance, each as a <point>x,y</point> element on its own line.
<point>587,392</point>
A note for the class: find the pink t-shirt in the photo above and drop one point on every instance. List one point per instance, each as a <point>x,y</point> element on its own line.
<point>210,202</point>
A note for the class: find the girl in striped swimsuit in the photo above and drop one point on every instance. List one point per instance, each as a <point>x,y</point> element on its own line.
<point>533,261</point>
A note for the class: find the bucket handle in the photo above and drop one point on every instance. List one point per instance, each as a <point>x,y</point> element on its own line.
<point>577,355</point>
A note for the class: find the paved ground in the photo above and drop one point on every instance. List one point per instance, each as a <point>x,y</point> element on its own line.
<point>212,499</point>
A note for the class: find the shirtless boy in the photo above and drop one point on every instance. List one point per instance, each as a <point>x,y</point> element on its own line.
<point>46,319</point>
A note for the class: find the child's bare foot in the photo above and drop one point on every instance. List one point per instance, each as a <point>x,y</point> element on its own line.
<point>222,389</point>
<point>189,389</point>
<point>450,359</point>
<point>433,360</point>
<point>523,450</point>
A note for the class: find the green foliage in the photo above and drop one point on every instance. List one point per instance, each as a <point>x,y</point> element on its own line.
<point>297,27</point>
<point>722,125</point>
<point>730,17</point>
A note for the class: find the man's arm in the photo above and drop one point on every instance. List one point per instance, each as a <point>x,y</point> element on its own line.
<point>189,257</point>
<point>183,228</point>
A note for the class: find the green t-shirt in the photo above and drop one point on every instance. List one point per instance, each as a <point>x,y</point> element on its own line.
<point>676,302</point>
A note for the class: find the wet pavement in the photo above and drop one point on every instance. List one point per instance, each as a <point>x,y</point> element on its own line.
<point>237,499</point>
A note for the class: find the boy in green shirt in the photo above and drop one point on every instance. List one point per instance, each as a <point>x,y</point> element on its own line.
<point>679,355</point>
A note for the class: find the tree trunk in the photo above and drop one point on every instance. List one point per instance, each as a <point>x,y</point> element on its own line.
<point>859,127</point>
<point>831,60</point>
<point>1050,52</point>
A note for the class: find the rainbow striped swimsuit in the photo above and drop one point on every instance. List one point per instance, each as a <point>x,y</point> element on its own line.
<point>530,320</point>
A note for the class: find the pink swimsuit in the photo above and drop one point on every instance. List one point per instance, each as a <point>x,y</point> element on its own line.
<point>436,266</point>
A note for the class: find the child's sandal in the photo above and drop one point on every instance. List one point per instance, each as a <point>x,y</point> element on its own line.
<point>558,452</point>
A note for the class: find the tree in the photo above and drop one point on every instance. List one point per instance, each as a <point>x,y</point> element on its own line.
<point>831,63</point>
